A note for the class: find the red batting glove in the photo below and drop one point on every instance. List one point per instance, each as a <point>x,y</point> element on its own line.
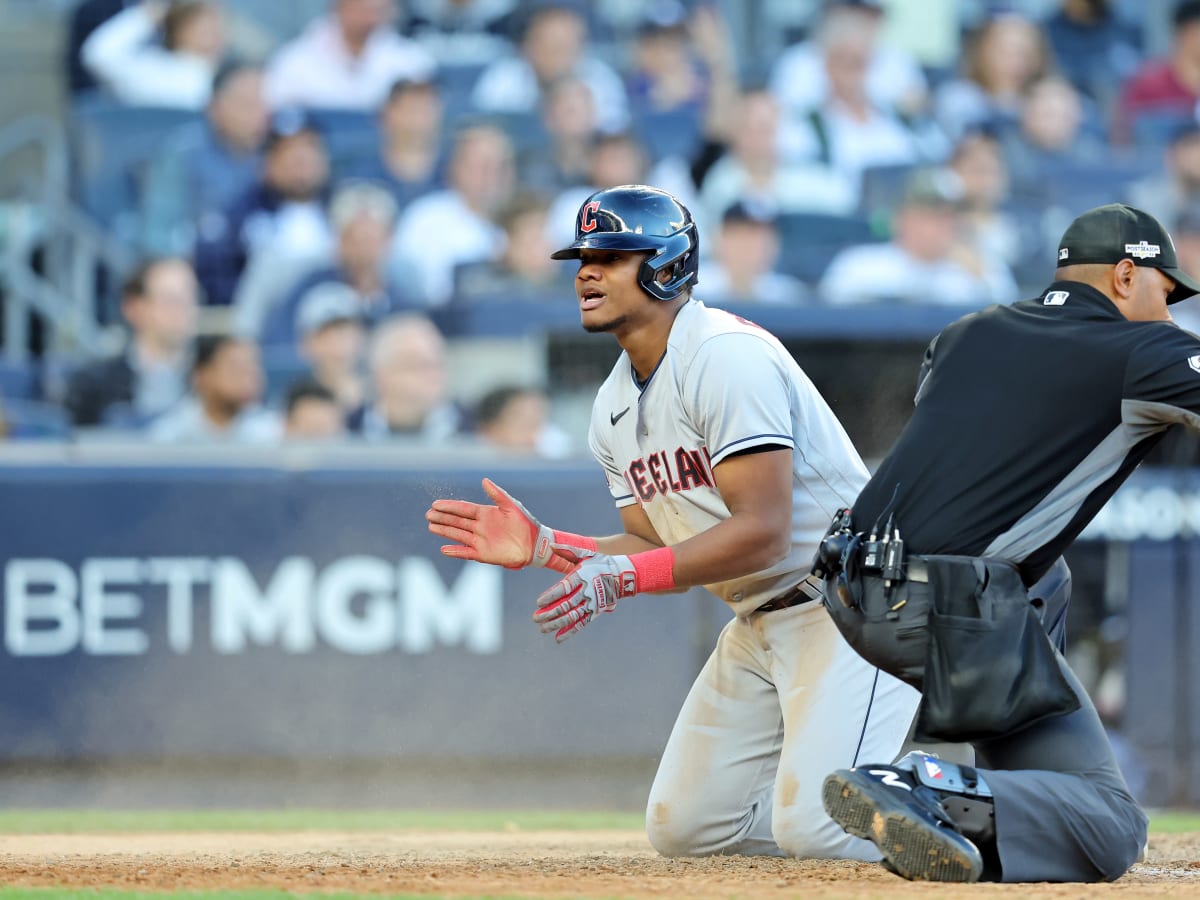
<point>506,534</point>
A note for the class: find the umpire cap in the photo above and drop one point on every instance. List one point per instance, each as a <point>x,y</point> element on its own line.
<point>1109,234</point>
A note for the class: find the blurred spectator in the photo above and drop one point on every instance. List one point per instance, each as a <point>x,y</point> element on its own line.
<point>311,413</point>
<point>1050,138</point>
<point>517,420</point>
<point>446,228</point>
<point>347,60</point>
<point>983,180</point>
<point>849,131</point>
<point>752,171</point>
<point>411,160</point>
<point>125,56</point>
<point>159,302</point>
<point>1164,88</point>
<point>1185,233</point>
<point>1003,58</point>
<point>207,165</point>
<point>925,262</point>
<point>569,121</point>
<point>227,385</point>
<point>363,217</point>
<point>333,343</point>
<point>283,213</point>
<point>461,32</point>
<point>1175,187</point>
<point>524,271</point>
<point>410,394</point>
<point>618,159</point>
<point>1095,48</point>
<point>742,266</point>
<point>676,61</point>
<point>894,79</point>
<point>554,45</point>
<point>85,18</point>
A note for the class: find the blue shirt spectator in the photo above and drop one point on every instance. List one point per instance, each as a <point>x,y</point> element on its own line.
<point>553,46</point>
<point>208,165</point>
<point>283,213</point>
<point>1094,47</point>
<point>411,159</point>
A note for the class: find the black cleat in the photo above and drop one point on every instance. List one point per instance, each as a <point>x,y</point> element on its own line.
<point>906,822</point>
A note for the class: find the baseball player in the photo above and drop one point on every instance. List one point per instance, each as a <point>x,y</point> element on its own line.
<point>725,464</point>
<point>1028,418</point>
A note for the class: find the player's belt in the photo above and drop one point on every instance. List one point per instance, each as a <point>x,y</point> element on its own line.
<point>806,591</point>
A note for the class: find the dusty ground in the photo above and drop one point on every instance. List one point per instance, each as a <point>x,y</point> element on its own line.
<point>540,864</point>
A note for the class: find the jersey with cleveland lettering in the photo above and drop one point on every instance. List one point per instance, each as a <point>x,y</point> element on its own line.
<point>723,386</point>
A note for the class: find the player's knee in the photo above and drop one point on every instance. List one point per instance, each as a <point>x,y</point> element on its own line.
<point>671,835</point>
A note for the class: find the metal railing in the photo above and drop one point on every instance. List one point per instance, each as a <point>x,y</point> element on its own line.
<point>53,258</point>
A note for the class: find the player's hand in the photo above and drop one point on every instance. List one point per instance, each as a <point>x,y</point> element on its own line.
<point>594,587</point>
<point>506,534</point>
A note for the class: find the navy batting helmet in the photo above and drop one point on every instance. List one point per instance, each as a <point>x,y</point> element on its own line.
<point>637,217</point>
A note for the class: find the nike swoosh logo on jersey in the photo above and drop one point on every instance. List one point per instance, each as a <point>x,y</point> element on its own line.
<point>614,418</point>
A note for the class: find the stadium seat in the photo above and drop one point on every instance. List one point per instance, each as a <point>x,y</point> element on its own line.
<point>109,142</point>
<point>673,133</point>
<point>455,84</point>
<point>18,381</point>
<point>30,420</point>
<point>808,241</point>
<point>1156,129</point>
<point>350,137</point>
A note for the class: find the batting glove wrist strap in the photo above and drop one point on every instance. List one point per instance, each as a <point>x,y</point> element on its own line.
<point>558,550</point>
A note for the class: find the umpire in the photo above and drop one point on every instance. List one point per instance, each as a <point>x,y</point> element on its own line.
<point>1028,419</point>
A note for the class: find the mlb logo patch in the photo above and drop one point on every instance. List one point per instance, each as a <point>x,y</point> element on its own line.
<point>932,769</point>
<point>1143,250</point>
<point>1194,362</point>
<point>1055,298</point>
<point>1062,254</point>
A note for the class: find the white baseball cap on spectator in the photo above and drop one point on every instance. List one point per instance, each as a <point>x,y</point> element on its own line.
<point>326,304</point>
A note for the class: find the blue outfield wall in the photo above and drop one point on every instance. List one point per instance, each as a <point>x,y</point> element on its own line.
<point>275,612</point>
<point>225,613</point>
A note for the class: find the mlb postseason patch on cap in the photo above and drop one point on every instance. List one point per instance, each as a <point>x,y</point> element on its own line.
<point>1143,250</point>
<point>1194,362</point>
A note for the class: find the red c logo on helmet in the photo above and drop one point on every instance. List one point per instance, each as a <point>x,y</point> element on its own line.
<point>587,216</point>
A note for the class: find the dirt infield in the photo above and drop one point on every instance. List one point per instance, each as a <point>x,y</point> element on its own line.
<point>541,864</point>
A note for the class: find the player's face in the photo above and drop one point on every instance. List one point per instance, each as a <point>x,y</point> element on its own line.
<point>610,297</point>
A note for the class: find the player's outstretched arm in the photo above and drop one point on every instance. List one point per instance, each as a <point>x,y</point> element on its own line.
<point>504,534</point>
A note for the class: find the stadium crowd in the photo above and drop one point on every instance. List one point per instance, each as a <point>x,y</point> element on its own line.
<point>317,213</point>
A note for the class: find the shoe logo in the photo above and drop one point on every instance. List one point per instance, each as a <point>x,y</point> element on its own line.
<point>890,778</point>
<point>614,418</point>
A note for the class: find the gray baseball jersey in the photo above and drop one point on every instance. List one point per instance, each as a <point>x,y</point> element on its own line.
<point>724,385</point>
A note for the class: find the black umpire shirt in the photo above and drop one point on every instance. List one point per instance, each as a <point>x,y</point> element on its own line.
<point>1028,419</point>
